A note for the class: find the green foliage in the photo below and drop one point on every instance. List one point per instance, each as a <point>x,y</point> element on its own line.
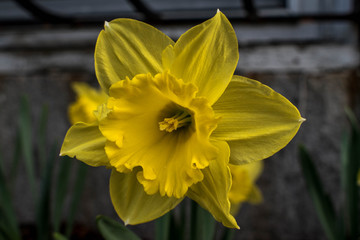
<point>8,225</point>
<point>113,230</point>
<point>43,210</point>
<point>321,200</point>
<point>350,165</point>
<point>202,222</point>
<point>201,226</point>
<point>26,141</point>
<point>61,190</point>
<point>59,236</point>
<point>79,186</point>
<point>344,225</point>
<point>163,227</point>
<point>42,192</point>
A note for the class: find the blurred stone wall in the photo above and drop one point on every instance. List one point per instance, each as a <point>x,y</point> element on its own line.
<point>319,78</point>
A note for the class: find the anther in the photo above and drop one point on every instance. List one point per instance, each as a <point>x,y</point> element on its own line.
<point>179,120</point>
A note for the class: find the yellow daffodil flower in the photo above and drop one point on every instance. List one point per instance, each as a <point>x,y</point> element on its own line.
<point>87,101</point>
<point>243,188</point>
<point>176,117</point>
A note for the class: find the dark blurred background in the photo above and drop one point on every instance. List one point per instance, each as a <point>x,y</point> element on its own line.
<point>308,50</point>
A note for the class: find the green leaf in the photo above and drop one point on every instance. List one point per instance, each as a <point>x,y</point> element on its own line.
<point>321,200</point>
<point>60,189</point>
<point>178,222</point>
<point>26,141</point>
<point>353,120</point>
<point>16,159</point>
<point>350,155</point>
<point>59,236</point>
<point>162,226</point>
<point>205,223</point>
<point>113,230</point>
<point>8,224</point>
<point>228,234</point>
<point>42,136</point>
<point>43,203</point>
<point>79,187</point>
<point>202,223</point>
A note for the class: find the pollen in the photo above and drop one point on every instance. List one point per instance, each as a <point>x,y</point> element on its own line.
<point>181,119</point>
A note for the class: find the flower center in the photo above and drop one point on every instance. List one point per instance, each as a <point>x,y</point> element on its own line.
<point>179,120</point>
<point>157,124</point>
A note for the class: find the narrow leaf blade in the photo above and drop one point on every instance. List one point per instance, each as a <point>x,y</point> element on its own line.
<point>8,224</point>
<point>113,230</point>
<point>59,236</point>
<point>162,226</point>
<point>61,190</point>
<point>42,137</point>
<point>79,187</point>
<point>43,204</point>
<point>321,200</point>
<point>203,223</point>
<point>26,141</point>
<point>350,155</point>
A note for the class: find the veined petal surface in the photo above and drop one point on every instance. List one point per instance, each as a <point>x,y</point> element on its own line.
<point>126,48</point>
<point>255,120</point>
<point>171,160</point>
<point>85,142</point>
<point>206,56</point>
<point>132,203</point>
<point>212,192</point>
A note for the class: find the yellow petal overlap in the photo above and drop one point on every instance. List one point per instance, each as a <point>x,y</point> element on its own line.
<point>132,204</point>
<point>126,48</point>
<point>255,120</point>
<point>85,142</point>
<point>206,56</point>
<point>212,192</point>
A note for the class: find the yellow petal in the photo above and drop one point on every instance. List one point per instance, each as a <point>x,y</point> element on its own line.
<point>243,187</point>
<point>87,101</point>
<point>212,192</point>
<point>241,184</point>
<point>85,142</point>
<point>168,57</point>
<point>255,196</point>
<point>93,94</point>
<point>132,204</point>
<point>126,48</point>
<point>253,169</point>
<point>255,120</point>
<point>207,56</point>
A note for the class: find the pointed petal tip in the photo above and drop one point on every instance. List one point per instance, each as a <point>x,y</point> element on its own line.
<point>234,224</point>
<point>106,24</point>
<point>302,119</point>
<point>218,10</point>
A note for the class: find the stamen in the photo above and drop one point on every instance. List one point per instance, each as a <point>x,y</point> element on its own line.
<point>179,120</point>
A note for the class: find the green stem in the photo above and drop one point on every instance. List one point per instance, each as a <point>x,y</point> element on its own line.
<point>162,226</point>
